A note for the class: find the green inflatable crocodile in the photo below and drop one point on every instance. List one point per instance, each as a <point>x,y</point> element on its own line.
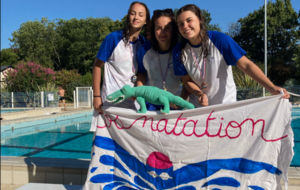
<point>150,94</point>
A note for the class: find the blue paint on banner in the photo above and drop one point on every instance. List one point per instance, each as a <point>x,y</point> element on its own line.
<point>111,161</point>
<point>108,178</point>
<point>140,182</point>
<point>124,188</point>
<point>223,181</point>
<point>113,185</point>
<point>169,171</point>
<point>184,175</point>
<point>93,169</point>
<point>187,188</point>
<point>256,187</point>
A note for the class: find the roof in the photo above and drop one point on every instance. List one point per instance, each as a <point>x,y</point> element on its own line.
<point>4,67</point>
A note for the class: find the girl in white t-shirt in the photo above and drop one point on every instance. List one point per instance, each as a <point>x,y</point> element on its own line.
<point>203,59</point>
<point>155,57</point>
<point>118,53</point>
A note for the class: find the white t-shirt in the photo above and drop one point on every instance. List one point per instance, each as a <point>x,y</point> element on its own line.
<point>223,52</point>
<point>158,66</point>
<point>119,60</point>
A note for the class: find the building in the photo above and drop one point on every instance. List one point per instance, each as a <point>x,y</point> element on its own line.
<point>3,69</point>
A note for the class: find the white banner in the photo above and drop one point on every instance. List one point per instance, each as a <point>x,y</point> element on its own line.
<point>242,145</point>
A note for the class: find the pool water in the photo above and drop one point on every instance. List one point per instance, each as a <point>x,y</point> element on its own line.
<point>296,113</point>
<point>70,141</point>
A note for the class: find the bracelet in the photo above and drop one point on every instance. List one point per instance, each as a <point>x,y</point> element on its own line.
<point>97,96</point>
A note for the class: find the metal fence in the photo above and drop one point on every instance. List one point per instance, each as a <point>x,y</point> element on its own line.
<point>83,97</point>
<point>29,99</point>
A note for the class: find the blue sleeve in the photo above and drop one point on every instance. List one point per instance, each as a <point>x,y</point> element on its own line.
<point>142,39</point>
<point>179,68</point>
<point>140,56</point>
<point>230,50</point>
<point>108,45</point>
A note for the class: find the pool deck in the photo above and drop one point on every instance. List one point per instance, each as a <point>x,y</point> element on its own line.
<point>30,113</point>
<point>24,170</point>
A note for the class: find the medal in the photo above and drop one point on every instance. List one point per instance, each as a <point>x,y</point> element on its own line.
<point>164,86</point>
<point>162,76</point>
<point>133,79</point>
<point>203,85</point>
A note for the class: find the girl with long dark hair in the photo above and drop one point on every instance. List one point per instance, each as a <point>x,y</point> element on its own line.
<point>203,59</point>
<point>118,53</point>
<point>155,57</point>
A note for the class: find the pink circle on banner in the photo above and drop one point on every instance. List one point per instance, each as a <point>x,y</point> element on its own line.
<point>159,161</point>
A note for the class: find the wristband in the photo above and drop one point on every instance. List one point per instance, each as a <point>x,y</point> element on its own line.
<point>97,96</point>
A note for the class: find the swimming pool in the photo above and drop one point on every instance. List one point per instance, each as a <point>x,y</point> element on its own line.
<point>296,113</point>
<point>72,139</point>
<point>68,141</point>
<point>296,129</point>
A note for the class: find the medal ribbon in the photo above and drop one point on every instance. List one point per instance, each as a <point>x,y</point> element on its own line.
<point>161,72</point>
<point>204,62</point>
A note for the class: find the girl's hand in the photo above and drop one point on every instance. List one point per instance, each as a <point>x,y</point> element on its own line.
<point>133,98</point>
<point>97,103</point>
<point>276,90</point>
<point>174,106</point>
<point>203,100</point>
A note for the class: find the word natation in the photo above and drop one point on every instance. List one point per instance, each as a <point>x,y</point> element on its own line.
<point>164,122</point>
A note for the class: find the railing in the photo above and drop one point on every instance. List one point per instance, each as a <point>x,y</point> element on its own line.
<point>29,99</point>
<point>83,97</point>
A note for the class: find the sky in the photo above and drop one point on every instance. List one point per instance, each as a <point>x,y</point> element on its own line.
<point>16,12</point>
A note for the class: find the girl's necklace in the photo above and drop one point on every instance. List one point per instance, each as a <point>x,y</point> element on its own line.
<point>203,85</point>
<point>161,72</point>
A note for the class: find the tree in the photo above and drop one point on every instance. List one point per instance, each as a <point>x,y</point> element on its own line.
<point>25,80</point>
<point>64,77</point>
<point>8,57</point>
<point>63,44</point>
<point>208,19</point>
<point>80,41</point>
<point>27,77</point>
<point>234,29</point>
<point>35,41</point>
<point>283,36</point>
<point>296,59</point>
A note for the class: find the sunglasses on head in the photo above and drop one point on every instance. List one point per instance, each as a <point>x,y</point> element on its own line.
<point>168,11</point>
